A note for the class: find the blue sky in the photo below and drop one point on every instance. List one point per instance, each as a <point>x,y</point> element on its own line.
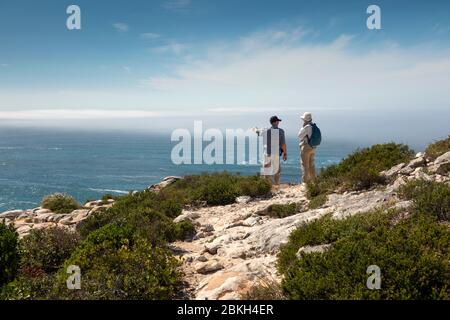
<point>182,58</point>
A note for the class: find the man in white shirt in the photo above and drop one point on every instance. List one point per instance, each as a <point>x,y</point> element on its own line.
<point>308,153</point>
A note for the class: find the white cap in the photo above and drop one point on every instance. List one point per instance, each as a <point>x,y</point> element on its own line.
<point>307,116</point>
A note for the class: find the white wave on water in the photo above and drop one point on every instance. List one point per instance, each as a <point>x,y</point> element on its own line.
<point>109,190</point>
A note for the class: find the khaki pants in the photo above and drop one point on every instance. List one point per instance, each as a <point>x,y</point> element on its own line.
<point>272,168</point>
<point>307,156</point>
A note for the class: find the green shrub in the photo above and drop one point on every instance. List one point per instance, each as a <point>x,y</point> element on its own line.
<point>216,188</point>
<point>265,289</point>
<point>360,170</point>
<point>430,198</point>
<point>9,253</point>
<point>47,249</point>
<point>109,196</point>
<point>327,230</point>
<point>184,230</point>
<point>317,201</point>
<point>412,253</point>
<point>220,192</point>
<point>438,148</point>
<point>283,210</point>
<point>28,287</point>
<point>413,257</point>
<point>117,265</point>
<point>59,203</point>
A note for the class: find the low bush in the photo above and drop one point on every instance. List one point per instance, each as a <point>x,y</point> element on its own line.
<point>28,287</point>
<point>327,230</point>
<point>438,148</point>
<point>265,289</point>
<point>216,188</point>
<point>283,210</point>
<point>430,198</point>
<point>116,264</point>
<point>109,196</point>
<point>59,203</point>
<point>411,252</point>
<point>47,249</point>
<point>360,170</point>
<point>317,201</point>
<point>9,253</point>
<point>413,259</point>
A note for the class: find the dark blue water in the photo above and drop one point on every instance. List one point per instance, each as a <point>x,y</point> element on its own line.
<point>86,165</point>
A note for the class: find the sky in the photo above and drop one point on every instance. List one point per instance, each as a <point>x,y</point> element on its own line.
<point>162,64</point>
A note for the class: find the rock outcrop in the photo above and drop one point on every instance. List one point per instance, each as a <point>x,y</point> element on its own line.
<point>26,220</point>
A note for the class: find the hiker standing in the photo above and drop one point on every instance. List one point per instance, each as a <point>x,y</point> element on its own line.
<point>274,143</point>
<point>310,137</point>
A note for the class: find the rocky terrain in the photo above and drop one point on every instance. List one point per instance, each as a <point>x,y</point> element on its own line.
<point>37,218</point>
<point>236,245</point>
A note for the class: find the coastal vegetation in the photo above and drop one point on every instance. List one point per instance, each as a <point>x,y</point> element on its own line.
<point>438,148</point>
<point>125,250</point>
<point>359,170</point>
<point>411,252</point>
<point>59,203</point>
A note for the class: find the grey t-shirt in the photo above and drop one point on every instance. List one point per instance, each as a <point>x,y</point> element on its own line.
<point>267,136</point>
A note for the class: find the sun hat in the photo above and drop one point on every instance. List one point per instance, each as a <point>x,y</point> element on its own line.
<point>307,116</point>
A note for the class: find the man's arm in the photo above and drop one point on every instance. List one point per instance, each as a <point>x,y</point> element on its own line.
<point>302,134</point>
<point>305,132</point>
<point>283,144</point>
<point>283,148</point>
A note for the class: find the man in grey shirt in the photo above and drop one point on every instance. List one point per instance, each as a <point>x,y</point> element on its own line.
<point>274,146</point>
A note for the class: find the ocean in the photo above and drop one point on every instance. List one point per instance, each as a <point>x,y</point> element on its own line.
<point>86,165</point>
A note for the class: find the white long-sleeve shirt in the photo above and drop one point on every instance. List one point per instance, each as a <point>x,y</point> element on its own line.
<point>304,134</point>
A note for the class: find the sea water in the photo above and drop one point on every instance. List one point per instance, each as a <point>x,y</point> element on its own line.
<point>86,165</point>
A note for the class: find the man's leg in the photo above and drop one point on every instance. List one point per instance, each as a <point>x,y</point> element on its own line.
<point>305,164</point>
<point>312,165</point>
<point>277,175</point>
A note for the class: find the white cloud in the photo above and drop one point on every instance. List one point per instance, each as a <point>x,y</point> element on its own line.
<point>121,27</point>
<point>171,47</point>
<point>68,114</point>
<point>150,35</point>
<point>278,68</point>
<point>176,5</point>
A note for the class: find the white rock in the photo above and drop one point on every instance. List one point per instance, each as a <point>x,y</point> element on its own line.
<point>212,247</point>
<point>312,249</point>
<point>420,154</point>
<point>164,183</point>
<point>188,215</point>
<point>24,229</point>
<point>68,220</point>
<point>42,211</point>
<point>209,267</point>
<point>202,258</point>
<point>12,214</point>
<point>417,162</point>
<point>393,171</point>
<point>441,164</point>
<point>243,199</point>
